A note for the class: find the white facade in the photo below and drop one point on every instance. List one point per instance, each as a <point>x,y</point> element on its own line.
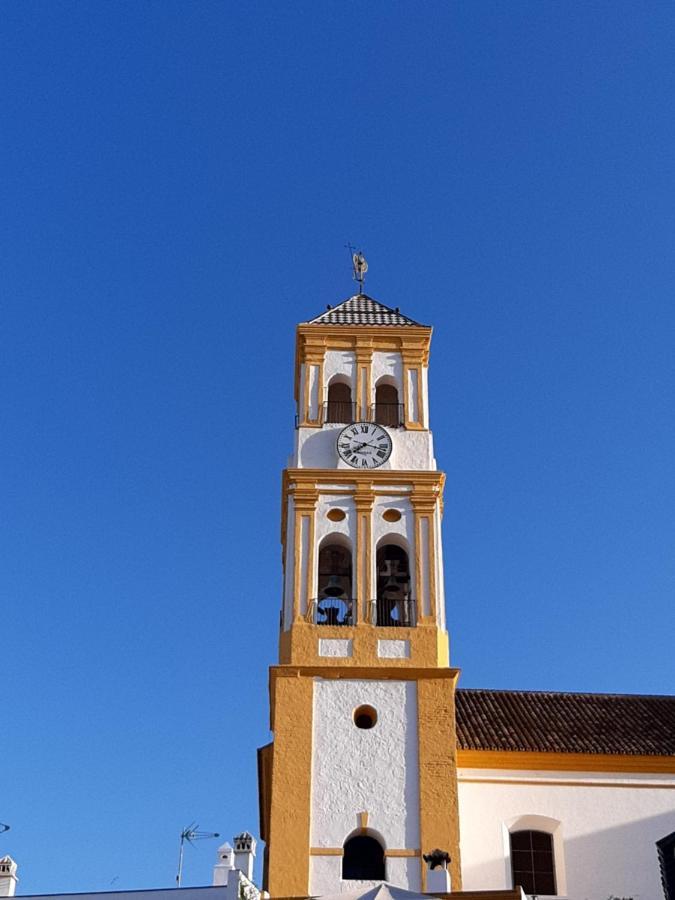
<point>372,771</point>
<point>604,827</point>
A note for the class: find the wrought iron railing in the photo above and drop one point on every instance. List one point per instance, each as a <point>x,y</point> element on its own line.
<point>389,414</point>
<point>331,611</point>
<point>339,411</point>
<point>388,613</point>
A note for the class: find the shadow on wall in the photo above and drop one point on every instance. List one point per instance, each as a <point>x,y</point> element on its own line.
<point>619,862</point>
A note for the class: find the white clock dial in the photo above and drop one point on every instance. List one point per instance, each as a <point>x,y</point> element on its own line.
<point>364,445</point>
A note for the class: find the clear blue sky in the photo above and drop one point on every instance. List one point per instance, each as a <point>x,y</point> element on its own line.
<point>178,184</point>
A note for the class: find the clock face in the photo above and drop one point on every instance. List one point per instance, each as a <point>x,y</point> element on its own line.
<point>364,445</point>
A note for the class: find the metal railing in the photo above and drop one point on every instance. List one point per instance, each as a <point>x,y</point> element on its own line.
<point>339,411</point>
<point>384,613</point>
<point>388,414</point>
<point>388,613</point>
<point>331,611</point>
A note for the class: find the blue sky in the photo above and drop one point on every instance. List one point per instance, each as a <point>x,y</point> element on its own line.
<point>178,184</point>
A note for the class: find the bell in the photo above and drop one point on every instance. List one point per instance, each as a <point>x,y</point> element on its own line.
<point>333,588</point>
<point>392,586</point>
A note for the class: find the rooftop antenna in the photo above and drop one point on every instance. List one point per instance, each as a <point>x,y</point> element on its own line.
<point>190,834</point>
<point>359,266</point>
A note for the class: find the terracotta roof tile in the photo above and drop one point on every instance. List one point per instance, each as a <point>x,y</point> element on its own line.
<point>542,721</point>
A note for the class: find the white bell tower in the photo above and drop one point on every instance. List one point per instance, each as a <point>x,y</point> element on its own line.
<point>360,780</point>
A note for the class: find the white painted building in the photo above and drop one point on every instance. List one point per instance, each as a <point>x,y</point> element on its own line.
<point>565,794</point>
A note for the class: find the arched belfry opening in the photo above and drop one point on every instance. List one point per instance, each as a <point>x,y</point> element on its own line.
<point>395,606</point>
<point>388,409</point>
<point>334,598</point>
<point>339,407</point>
<point>363,859</point>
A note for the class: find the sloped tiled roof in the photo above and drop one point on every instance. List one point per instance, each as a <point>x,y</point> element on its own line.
<point>361,310</point>
<point>540,721</point>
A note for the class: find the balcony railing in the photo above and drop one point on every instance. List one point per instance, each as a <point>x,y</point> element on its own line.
<point>388,613</point>
<point>388,414</point>
<point>331,611</point>
<point>339,411</point>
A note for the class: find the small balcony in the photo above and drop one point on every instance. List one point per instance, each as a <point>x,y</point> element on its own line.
<point>331,611</point>
<point>339,411</point>
<point>388,414</point>
<point>384,613</point>
<point>389,612</point>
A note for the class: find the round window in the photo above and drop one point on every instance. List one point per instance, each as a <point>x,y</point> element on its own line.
<point>365,717</point>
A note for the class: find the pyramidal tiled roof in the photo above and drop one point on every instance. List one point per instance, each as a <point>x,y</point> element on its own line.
<point>361,310</point>
<point>551,722</point>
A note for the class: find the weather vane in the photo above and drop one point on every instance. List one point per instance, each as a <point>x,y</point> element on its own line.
<point>359,266</point>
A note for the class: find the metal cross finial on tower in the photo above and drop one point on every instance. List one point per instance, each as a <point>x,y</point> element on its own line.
<point>359,266</point>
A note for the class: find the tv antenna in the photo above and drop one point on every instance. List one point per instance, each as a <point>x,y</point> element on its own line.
<point>190,834</point>
<point>359,266</point>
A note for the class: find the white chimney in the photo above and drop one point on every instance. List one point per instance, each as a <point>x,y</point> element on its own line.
<point>8,877</point>
<point>224,865</point>
<point>438,876</point>
<point>244,853</point>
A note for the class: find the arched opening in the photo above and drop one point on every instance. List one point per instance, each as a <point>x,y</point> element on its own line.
<point>388,410</point>
<point>394,605</point>
<point>363,859</point>
<point>334,599</point>
<point>339,407</point>
<point>533,862</point>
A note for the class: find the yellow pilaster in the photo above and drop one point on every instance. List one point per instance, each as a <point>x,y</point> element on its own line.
<point>289,820</point>
<point>364,369</point>
<point>304,504</point>
<point>439,805</point>
<point>363,501</point>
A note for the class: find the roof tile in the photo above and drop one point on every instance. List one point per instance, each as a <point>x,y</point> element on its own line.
<point>542,721</point>
<point>361,310</point>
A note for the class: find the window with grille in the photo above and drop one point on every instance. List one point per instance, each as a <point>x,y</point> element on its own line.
<point>532,862</point>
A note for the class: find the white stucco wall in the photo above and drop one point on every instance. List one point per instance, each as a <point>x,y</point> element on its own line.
<point>316,448</point>
<point>357,770</point>
<point>325,875</point>
<point>608,828</point>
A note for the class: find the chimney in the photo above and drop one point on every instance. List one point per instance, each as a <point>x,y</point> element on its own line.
<point>8,877</point>
<point>438,876</point>
<point>244,853</point>
<point>223,866</point>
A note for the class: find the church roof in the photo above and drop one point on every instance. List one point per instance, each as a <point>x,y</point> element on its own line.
<point>542,721</point>
<point>361,310</point>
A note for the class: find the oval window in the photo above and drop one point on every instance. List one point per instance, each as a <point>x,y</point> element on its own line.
<point>336,515</point>
<point>391,515</point>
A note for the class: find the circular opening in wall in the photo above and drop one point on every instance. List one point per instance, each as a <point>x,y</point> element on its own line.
<point>365,717</point>
<point>336,515</point>
<point>391,515</point>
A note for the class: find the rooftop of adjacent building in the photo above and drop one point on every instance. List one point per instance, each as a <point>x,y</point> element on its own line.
<point>554,722</point>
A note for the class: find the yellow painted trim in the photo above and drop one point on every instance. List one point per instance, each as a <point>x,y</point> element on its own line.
<point>433,604</point>
<point>421,480</point>
<point>439,803</point>
<point>549,782</point>
<point>418,564</point>
<point>564,762</point>
<point>363,820</point>
<point>310,556</point>
<point>289,824</point>
<point>297,568</point>
<point>339,851</point>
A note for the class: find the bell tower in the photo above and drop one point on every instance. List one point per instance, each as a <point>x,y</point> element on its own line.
<point>360,779</point>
